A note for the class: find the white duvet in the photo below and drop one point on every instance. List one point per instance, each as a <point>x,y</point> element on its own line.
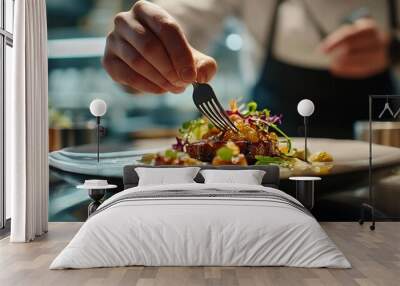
<point>200,231</point>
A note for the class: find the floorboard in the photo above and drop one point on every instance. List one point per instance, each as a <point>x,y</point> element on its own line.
<point>375,257</point>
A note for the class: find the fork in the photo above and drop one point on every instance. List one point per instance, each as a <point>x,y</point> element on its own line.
<point>207,103</point>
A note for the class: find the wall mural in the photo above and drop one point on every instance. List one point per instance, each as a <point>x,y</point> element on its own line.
<point>170,129</point>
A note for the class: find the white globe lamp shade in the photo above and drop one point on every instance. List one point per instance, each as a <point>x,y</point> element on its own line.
<point>305,107</point>
<point>98,107</point>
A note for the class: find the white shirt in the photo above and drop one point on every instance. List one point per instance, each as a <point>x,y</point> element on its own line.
<point>296,39</point>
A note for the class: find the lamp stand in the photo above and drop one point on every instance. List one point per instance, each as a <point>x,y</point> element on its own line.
<point>98,138</point>
<point>305,138</point>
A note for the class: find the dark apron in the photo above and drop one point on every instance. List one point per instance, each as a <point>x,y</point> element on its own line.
<point>338,102</point>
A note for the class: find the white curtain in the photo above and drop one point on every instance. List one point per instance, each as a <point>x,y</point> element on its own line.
<point>27,124</point>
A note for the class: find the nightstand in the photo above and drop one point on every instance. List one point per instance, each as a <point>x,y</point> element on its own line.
<point>96,190</point>
<point>305,187</point>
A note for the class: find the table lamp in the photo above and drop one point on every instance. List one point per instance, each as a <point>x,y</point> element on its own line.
<point>305,108</point>
<point>98,108</point>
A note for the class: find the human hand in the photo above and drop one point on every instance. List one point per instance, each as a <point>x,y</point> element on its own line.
<point>148,51</point>
<point>359,50</point>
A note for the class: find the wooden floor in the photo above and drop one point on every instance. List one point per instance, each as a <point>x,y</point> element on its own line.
<point>375,257</point>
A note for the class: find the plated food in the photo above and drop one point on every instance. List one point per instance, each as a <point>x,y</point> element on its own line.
<point>259,141</point>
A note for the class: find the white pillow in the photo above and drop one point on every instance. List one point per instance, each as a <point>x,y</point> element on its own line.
<point>166,176</point>
<point>248,177</point>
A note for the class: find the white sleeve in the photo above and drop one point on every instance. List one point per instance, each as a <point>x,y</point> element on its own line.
<point>202,20</point>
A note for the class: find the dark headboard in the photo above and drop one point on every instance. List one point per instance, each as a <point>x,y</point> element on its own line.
<point>271,177</point>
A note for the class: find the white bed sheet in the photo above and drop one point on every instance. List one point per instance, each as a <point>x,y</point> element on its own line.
<point>206,231</point>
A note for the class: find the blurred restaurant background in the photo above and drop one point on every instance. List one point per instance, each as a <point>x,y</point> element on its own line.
<point>76,32</point>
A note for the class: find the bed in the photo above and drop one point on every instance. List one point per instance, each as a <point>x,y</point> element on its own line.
<point>198,224</point>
